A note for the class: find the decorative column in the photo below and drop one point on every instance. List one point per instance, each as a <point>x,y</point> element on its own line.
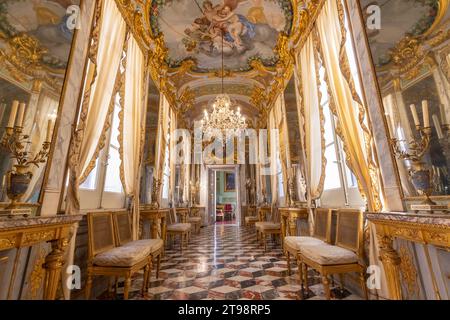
<point>391,263</point>
<point>53,266</point>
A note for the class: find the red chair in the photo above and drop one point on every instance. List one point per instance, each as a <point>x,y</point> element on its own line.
<point>228,212</point>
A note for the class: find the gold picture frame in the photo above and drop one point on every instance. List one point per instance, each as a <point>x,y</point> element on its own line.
<point>230,182</point>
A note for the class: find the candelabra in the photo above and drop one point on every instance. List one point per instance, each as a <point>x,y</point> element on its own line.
<point>195,186</point>
<point>19,178</point>
<point>156,187</point>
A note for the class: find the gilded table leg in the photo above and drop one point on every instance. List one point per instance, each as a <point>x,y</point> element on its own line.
<point>53,265</point>
<point>293,226</point>
<point>283,226</point>
<point>154,234</point>
<point>391,262</point>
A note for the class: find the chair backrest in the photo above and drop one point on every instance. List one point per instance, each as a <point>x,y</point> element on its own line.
<point>228,207</point>
<point>101,232</point>
<point>172,217</point>
<point>349,231</point>
<point>322,226</point>
<point>263,213</point>
<point>122,227</point>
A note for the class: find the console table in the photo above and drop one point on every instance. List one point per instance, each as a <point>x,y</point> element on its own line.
<point>18,233</point>
<point>289,217</point>
<point>153,216</point>
<point>425,229</point>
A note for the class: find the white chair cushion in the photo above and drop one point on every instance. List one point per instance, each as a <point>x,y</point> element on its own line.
<point>251,219</point>
<point>153,244</point>
<point>268,226</point>
<point>195,219</point>
<point>125,256</point>
<point>179,227</point>
<point>295,242</point>
<point>328,255</point>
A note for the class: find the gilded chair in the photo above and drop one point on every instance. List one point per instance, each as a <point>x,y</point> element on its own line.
<point>271,227</point>
<point>106,258</point>
<point>344,257</point>
<point>251,217</point>
<point>321,235</point>
<point>124,236</point>
<point>175,228</point>
<point>195,219</point>
<point>220,216</point>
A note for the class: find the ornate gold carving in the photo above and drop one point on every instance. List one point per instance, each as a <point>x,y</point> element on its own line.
<point>7,242</point>
<point>30,238</point>
<point>37,275</point>
<point>412,234</point>
<point>409,273</point>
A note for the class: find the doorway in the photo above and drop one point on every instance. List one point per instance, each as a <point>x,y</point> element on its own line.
<point>225,198</point>
<point>223,205</point>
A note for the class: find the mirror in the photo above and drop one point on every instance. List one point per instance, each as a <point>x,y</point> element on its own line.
<point>35,45</point>
<point>411,55</point>
<point>150,142</point>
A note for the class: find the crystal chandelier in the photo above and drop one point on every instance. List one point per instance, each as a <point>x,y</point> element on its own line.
<point>223,117</point>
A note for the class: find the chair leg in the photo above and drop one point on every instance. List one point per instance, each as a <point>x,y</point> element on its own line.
<point>288,258</point>
<point>158,266</point>
<point>116,285</point>
<point>88,286</point>
<point>362,280</point>
<point>342,281</point>
<point>305,276</point>
<point>146,278</point>
<point>126,289</point>
<point>265,241</point>
<point>326,286</point>
<point>300,271</point>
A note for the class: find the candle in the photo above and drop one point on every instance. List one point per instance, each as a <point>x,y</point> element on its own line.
<point>415,116</point>
<point>437,125</point>
<point>13,114</point>
<point>426,114</point>
<point>20,115</point>
<point>49,131</point>
<point>443,115</point>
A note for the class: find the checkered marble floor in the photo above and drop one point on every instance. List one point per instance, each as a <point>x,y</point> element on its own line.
<point>226,263</point>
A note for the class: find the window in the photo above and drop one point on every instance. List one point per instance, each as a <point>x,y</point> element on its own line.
<point>91,182</point>
<point>112,179</point>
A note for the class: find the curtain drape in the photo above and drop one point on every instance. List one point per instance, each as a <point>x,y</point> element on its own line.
<point>45,107</point>
<point>172,142</point>
<point>161,137</point>
<point>345,102</point>
<point>312,124</point>
<point>102,83</point>
<point>132,116</point>
<point>274,156</point>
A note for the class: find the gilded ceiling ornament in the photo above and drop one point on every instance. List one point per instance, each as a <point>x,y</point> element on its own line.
<point>142,17</point>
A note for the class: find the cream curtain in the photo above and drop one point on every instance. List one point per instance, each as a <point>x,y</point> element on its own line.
<point>46,106</point>
<point>308,95</point>
<point>281,125</point>
<point>172,128</point>
<point>102,83</point>
<point>345,103</point>
<point>274,155</point>
<point>132,117</point>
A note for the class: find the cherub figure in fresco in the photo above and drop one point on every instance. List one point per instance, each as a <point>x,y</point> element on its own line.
<point>235,24</point>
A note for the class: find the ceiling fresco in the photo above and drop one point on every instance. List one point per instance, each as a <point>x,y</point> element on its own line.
<point>192,29</point>
<point>183,40</point>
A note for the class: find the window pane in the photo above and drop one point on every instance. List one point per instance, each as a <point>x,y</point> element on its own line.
<point>332,178</point>
<point>91,182</point>
<point>112,179</point>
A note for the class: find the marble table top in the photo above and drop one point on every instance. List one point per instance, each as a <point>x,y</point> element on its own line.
<point>22,222</point>
<point>420,218</point>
